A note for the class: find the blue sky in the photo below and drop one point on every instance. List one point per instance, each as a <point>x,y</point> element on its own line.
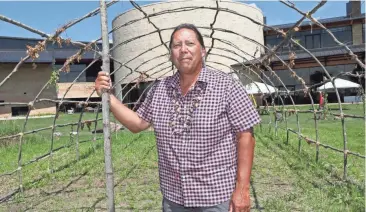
<point>47,16</point>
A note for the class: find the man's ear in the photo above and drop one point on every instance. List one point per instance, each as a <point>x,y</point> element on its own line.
<point>170,56</point>
<point>203,52</point>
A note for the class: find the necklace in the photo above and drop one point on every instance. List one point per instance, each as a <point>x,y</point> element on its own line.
<point>177,115</point>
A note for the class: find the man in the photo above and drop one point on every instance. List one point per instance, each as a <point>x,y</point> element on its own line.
<point>203,122</point>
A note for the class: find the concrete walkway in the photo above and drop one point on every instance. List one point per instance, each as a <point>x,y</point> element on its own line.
<point>23,117</point>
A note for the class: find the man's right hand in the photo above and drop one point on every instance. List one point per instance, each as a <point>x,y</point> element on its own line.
<point>103,82</point>
<point>123,114</point>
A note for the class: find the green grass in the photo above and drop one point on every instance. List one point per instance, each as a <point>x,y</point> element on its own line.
<point>330,132</point>
<point>282,179</point>
<point>77,185</point>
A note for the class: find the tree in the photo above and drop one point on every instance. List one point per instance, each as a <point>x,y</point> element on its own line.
<point>317,77</point>
<point>358,70</point>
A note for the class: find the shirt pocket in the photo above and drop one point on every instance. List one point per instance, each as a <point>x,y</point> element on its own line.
<point>161,120</point>
<point>210,121</point>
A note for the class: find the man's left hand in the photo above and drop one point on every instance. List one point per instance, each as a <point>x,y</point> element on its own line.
<point>240,200</point>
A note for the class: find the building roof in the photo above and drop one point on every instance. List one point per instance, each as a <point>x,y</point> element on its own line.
<point>321,52</point>
<point>15,56</point>
<point>11,56</point>
<point>20,42</point>
<point>323,21</point>
<point>13,49</point>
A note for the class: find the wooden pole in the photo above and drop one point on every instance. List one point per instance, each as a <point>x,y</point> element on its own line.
<point>105,110</point>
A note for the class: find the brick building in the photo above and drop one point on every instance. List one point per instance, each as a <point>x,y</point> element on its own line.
<point>348,29</point>
<point>25,84</point>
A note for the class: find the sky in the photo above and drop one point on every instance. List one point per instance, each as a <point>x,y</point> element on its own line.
<point>47,16</point>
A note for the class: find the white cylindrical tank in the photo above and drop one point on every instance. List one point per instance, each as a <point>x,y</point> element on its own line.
<point>133,43</point>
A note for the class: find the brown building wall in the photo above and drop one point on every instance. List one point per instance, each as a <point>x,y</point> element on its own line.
<point>24,85</point>
<point>78,90</point>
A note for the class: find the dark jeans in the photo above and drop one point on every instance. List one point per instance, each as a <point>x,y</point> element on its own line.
<point>169,206</point>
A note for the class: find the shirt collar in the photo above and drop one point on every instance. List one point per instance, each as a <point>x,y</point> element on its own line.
<point>203,77</point>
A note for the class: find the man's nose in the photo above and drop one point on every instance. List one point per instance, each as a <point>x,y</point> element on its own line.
<point>183,48</point>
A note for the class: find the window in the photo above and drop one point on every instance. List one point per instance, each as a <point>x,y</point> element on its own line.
<point>336,29</point>
<point>19,111</point>
<point>272,40</point>
<point>2,101</point>
<point>298,39</point>
<point>343,34</point>
<point>312,41</point>
<point>316,38</point>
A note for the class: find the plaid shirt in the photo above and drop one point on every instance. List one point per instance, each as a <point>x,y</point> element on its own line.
<point>196,136</point>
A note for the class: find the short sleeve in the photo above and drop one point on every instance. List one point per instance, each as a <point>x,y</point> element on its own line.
<point>145,110</point>
<point>241,112</point>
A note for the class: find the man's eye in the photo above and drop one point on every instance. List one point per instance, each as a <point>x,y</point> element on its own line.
<point>176,45</point>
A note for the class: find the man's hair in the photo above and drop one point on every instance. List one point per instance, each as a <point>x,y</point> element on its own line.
<point>191,27</point>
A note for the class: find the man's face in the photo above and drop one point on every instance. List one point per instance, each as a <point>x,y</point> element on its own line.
<point>186,51</point>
